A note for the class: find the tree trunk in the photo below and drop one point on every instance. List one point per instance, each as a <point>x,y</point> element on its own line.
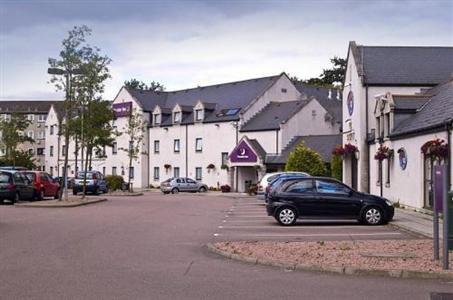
<point>65,166</point>
<point>85,173</point>
<point>129,172</point>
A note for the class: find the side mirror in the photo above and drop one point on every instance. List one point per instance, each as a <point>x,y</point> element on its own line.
<point>350,193</point>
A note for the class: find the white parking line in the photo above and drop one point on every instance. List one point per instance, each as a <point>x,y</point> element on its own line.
<point>295,227</point>
<point>310,235</point>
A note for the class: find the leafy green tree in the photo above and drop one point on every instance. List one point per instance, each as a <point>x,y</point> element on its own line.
<point>337,167</point>
<point>140,85</point>
<point>135,130</point>
<point>12,131</point>
<point>304,159</point>
<point>329,77</point>
<point>20,158</point>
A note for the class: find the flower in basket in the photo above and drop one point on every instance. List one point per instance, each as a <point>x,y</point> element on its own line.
<point>167,166</point>
<point>339,150</point>
<point>383,152</point>
<point>436,149</point>
<point>345,150</point>
<point>225,188</point>
<point>211,166</point>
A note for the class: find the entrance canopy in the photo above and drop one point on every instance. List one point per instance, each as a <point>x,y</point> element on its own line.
<point>247,153</point>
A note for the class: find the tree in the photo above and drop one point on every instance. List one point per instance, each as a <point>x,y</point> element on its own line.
<point>304,159</point>
<point>13,135</point>
<point>20,158</point>
<point>337,167</point>
<point>329,77</point>
<point>140,85</point>
<point>135,130</point>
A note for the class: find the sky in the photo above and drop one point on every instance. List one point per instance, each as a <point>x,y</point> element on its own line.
<point>184,44</point>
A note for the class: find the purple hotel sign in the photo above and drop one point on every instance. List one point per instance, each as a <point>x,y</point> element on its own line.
<point>122,109</point>
<point>439,188</point>
<point>243,153</point>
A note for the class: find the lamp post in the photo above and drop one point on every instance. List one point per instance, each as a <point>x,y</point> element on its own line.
<point>68,75</point>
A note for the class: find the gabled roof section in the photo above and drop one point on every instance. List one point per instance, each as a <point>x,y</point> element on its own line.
<point>148,99</point>
<point>273,115</point>
<point>323,144</point>
<point>403,66</point>
<point>331,104</point>
<point>27,107</point>
<point>409,102</point>
<point>437,110</point>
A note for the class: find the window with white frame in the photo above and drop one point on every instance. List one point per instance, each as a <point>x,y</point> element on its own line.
<point>177,117</point>
<point>42,118</point>
<point>157,119</point>
<point>198,173</point>
<point>176,145</point>
<point>198,115</point>
<point>114,171</point>
<point>31,151</point>
<point>2,152</point>
<point>63,150</point>
<point>114,148</point>
<point>40,151</point>
<point>156,146</point>
<point>30,117</point>
<point>224,158</point>
<point>31,134</point>
<point>198,145</point>
<point>51,129</point>
<point>41,135</point>
<point>156,173</point>
<point>176,172</point>
<point>51,151</point>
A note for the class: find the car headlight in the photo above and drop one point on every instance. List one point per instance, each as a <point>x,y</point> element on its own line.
<point>389,203</point>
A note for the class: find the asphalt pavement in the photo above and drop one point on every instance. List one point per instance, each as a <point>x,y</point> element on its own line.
<point>154,247</point>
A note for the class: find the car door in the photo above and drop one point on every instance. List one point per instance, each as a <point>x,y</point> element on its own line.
<point>49,186</point>
<point>192,185</point>
<point>5,182</point>
<point>24,186</point>
<point>181,184</point>
<point>302,195</point>
<point>337,199</point>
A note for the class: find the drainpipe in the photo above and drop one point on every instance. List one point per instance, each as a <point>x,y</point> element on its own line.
<point>366,140</point>
<point>448,128</point>
<point>187,150</point>
<point>236,126</point>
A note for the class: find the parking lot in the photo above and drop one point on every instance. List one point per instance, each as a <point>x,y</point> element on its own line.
<point>247,220</point>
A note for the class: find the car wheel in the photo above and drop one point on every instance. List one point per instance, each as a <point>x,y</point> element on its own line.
<point>202,190</point>
<point>42,194</point>
<point>373,216</point>
<point>56,194</point>
<point>74,192</point>
<point>95,191</point>
<point>174,191</point>
<point>286,216</point>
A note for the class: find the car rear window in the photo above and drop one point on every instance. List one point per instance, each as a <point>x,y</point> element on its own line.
<point>81,175</point>
<point>30,176</point>
<point>5,178</point>
<point>168,180</point>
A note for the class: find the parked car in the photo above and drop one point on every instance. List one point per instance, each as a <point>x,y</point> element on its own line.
<point>182,184</point>
<point>280,178</point>
<point>44,185</point>
<point>319,197</point>
<point>61,181</point>
<point>14,186</point>
<point>13,168</point>
<point>95,182</point>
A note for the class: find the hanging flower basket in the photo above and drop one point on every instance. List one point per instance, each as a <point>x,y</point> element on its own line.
<point>211,166</point>
<point>436,149</point>
<point>383,152</point>
<point>167,166</point>
<point>345,150</point>
<point>224,167</point>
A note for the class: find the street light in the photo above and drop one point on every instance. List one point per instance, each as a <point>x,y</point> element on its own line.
<point>68,74</point>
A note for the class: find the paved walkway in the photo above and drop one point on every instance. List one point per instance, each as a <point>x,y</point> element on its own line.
<point>414,221</point>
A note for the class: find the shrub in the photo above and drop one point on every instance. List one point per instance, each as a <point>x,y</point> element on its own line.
<point>337,167</point>
<point>253,189</point>
<point>114,182</point>
<point>225,188</point>
<point>304,159</point>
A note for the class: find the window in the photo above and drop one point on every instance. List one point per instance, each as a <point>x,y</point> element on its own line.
<point>198,115</point>
<point>177,117</point>
<point>31,134</point>
<point>176,172</point>
<point>31,151</point>
<point>41,135</point>
<point>156,173</point>
<point>300,187</point>
<point>42,118</point>
<point>156,146</point>
<point>313,114</point>
<point>284,90</point>
<point>224,158</point>
<point>198,174</point>
<point>114,148</point>
<point>232,111</point>
<point>180,180</point>
<point>387,124</point>
<point>103,171</point>
<point>51,151</point>
<point>63,150</point>
<point>40,151</point>
<point>51,171</point>
<point>176,146</point>
<point>114,171</point>
<point>188,180</point>
<point>6,117</point>
<point>157,119</point>
<point>18,178</point>
<point>329,187</point>
<point>51,129</point>
<point>131,172</point>
<point>31,117</point>
<point>198,145</point>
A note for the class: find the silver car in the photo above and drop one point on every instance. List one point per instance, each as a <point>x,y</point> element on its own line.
<point>182,184</point>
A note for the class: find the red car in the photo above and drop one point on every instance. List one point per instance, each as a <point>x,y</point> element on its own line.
<point>44,185</point>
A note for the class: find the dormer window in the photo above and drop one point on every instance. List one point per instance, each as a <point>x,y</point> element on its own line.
<point>157,119</point>
<point>198,115</point>
<point>177,117</point>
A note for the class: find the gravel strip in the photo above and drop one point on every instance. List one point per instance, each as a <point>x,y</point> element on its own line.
<point>407,255</point>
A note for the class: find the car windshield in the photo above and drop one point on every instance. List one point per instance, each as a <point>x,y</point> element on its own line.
<point>82,175</point>
<point>4,178</point>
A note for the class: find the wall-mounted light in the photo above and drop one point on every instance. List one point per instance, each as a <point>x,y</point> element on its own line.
<point>217,125</point>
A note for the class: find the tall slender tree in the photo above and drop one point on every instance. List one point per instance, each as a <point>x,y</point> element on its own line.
<point>12,130</point>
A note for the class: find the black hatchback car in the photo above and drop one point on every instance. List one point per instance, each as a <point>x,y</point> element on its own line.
<point>15,186</point>
<point>319,197</point>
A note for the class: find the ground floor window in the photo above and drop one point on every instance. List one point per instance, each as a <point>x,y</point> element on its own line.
<point>224,158</point>
<point>198,175</point>
<point>114,171</point>
<point>176,172</point>
<point>103,171</point>
<point>51,171</point>
<point>156,173</point>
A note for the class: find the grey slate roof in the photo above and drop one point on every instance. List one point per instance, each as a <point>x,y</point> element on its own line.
<point>332,105</point>
<point>258,148</point>
<point>433,114</point>
<point>409,102</point>
<point>215,97</point>
<point>403,65</point>
<point>24,106</point>
<point>272,115</point>
<point>323,144</point>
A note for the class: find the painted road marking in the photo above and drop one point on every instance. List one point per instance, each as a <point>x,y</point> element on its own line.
<point>311,235</point>
<point>295,227</point>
